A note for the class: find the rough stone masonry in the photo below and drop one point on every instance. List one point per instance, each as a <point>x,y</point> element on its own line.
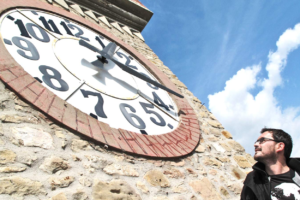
<point>41,160</point>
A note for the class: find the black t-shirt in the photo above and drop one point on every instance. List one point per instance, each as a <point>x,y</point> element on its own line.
<point>283,187</point>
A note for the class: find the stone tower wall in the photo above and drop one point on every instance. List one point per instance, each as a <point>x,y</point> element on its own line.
<point>39,159</point>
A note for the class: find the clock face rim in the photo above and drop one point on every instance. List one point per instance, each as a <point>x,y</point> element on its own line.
<point>176,143</point>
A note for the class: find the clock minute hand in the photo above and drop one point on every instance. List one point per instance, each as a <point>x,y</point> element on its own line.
<point>89,46</point>
<point>137,74</point>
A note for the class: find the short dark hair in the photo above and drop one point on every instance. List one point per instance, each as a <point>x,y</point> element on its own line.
<point>281,136</point>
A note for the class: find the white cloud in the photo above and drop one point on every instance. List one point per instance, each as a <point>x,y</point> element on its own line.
<point>244,114</point>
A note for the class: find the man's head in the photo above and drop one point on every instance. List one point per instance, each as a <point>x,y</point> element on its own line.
<point>271,144</point>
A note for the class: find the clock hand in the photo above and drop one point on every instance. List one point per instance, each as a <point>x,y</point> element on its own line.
<point>107,53</point>
<point>109,50</point>
<point>137,74</point>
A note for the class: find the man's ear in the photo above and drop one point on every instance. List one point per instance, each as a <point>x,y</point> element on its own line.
<point>280,147</point>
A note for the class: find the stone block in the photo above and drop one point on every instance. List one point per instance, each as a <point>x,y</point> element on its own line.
<point>20,187</point>
<point>238,173</point>
<point>173,173</point>
<point>54,164</point>
<point>242,161</point>
<point>114,190</point>
<point>12,169</point>
<point>227,134</point>
<point>61,182</point>
<point>141,186</point>
<point>206,189</point>
<point>236,146</point>
<point>250,159</point>
<point>157,178</point>
<point>200,149</point>
<point>123,170</point>
<point>78,145</point>
<point>7,156</point>
<point>32,137</point>
<point>212,162</point>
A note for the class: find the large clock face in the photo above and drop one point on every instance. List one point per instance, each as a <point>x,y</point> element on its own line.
<point>64,56</point>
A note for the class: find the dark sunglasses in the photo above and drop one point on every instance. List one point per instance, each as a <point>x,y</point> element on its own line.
<point>263,139</point>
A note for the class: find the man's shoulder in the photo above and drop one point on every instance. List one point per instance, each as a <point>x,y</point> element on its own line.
<point>294,163</point>
<point>249,177</point>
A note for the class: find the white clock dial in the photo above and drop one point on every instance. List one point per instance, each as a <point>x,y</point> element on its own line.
<point>48,47</point>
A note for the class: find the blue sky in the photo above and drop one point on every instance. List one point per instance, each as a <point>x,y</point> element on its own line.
<point>240,58</point>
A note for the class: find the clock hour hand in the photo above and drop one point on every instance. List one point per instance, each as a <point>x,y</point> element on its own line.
<point>137,74</point>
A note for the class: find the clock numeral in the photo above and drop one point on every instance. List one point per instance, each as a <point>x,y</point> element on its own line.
<point>45,37</point>
<point>170,126</point>
<point>145,106</point>
<point>30,48</point>
<point>99,106</point>
<point>46,25</point>
<point>159,102</point>
<point>152,86</point>
<point>39,80</point>
<point>127,60</point>
<point>130,116</point>
<point>11,18</point>
<point>100,41</point>
<point>22,28</point>
<point>6,41</point>
<point>30,27</point>
<point>79,33</point>
<point>66,28</point>
<point>56,76</point>
<point>143,132</point>
<point>33,12</point>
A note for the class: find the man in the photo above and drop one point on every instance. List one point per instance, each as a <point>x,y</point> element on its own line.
<point>275,175</point>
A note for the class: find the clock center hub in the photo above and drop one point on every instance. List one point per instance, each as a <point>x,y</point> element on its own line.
<point>95,70</point>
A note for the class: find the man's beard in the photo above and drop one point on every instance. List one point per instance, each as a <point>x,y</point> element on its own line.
<point>265,158</point>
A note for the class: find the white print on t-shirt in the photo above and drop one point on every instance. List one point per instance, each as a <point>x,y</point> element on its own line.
<point>286,190</point>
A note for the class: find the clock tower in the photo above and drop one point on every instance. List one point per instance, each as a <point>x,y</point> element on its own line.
<point>90,112</point>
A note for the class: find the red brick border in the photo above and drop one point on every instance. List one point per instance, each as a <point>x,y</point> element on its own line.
<point>177,143</point>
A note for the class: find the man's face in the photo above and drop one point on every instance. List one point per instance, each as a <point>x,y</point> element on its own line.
<point>266,150</point>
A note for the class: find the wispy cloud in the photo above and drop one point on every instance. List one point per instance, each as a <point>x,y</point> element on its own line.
<point>244,114</point>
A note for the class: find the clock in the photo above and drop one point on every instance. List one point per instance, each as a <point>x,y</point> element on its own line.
<point>94,84</point>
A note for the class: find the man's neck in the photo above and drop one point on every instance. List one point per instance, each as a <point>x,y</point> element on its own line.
<point>277,167</point>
